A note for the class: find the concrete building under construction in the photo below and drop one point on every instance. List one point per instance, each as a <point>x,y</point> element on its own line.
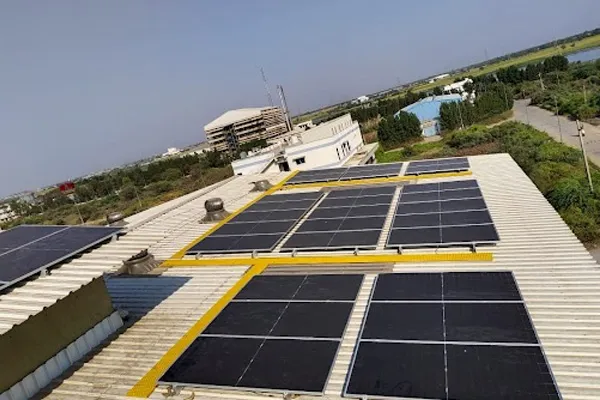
<point>235,127</point>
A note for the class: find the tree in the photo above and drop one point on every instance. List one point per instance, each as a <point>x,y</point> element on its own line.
<point>449,117</point>
<point>213,159</point>
<point>398,130</point>
<point>171,174</point>
<point>127,192</point>
<point>438,91</point>
<point>556,63</point>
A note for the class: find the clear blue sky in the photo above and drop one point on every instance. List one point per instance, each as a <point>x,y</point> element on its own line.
<point>87,85</point>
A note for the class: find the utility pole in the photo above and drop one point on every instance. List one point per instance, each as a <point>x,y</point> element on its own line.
<point>505,97</point>
<point>460,114</point>
<point>581,134</point>
<point>541,81</point>
<point>527,113</point>
<point>584,94</point>
<point>558,119</point>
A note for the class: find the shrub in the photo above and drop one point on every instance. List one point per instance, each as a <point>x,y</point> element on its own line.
<point>127,192</point>
<point>583,225</point>
<point>171,174</point>
<point>160,187</point>
<point>473,136</point>
<point>547,173</point>
<point>567,193</point>
<point>554,151</point>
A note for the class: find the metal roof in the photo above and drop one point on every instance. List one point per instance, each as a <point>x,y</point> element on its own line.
<point>558,279</point>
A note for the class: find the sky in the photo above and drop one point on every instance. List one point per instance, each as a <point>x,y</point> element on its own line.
<point>89,85</point>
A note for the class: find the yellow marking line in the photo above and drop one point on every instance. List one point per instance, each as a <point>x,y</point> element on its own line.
<point>145,386</point>
<point>181,253</point>
<point>349,259</point>
<point>374,181</point>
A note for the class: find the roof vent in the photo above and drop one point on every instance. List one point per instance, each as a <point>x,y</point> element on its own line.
<point>116,219</point>
<point>262,186</point>
<point>140,263</point>
<point>214,211</point>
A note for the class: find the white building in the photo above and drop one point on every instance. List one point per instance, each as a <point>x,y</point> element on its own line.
<point>327,145</point>
<point>457,86</point>
<point>6,213</point>
<point>171,151</point>
<point>360,100</point>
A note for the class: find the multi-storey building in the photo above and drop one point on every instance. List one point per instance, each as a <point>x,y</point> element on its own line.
<point>236,127</point>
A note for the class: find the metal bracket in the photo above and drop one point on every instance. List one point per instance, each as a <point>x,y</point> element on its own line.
<point>294,253</point>
<point>44,272</point>
<point>473,248</point>
<point>356,251</point>
<point>399,249</point>
<point>254,254</point>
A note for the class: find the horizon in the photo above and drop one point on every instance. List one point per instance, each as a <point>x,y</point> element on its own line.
<point>163,71</point>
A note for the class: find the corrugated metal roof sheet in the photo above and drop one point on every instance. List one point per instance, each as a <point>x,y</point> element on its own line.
<point>558,279</point>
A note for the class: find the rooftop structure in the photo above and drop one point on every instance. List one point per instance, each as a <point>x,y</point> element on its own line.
<point>328,145</point>
<point>556,277</point>
<point>235,127</point>
<point>428,111</point>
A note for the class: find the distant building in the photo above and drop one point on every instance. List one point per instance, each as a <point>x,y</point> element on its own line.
<point>171,151</point>
<point>437,78</point>
<point>428,111</point>
<point>236,127</point>
<point>360,100</point>
<point>457,86</point>
<point>328,145</point>
<point>6,213</point>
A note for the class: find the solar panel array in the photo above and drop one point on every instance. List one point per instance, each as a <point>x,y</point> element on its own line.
<point>280,333</point>
<point>349,173</point>
<point>260,227</point>
<point>28,249</point>
<point>437,166</point>
<point>444,213</point>
<point>449,336</point>
<point>345,219</point>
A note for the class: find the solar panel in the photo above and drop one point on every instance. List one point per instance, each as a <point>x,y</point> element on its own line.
<point>260,227</point>
<point>441,214</point>
<point>449,335</point>
<point>26,250</point>
<point>349,173</point>
<point>437,166</point>
<point>280,333</point>
<point>345,219</point>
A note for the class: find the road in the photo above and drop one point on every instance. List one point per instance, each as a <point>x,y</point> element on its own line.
<point>546,121</point>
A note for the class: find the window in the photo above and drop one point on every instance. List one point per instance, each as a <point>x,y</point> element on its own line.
<point>301,160</point>
<point>338,153</point>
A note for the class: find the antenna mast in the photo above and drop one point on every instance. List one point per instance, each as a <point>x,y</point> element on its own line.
<point>264,78</point>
